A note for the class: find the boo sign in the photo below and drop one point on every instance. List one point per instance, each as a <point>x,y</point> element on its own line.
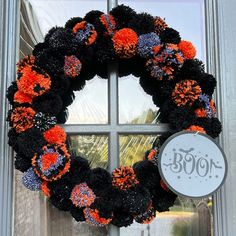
<point>192,164</point>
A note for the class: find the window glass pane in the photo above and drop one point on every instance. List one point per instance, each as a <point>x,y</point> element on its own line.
<point>133,148</point>
<point>92,147</point>
<point>135,106</point>
<point>91,104</point>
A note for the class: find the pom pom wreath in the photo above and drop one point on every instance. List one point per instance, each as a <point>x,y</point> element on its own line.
<point>109,23</point>
<point>196,128</point>
<point>125,42</point>
<point>166,61</point>
<point>85,33</point>
<point>82,195</point>
<point>44,122</point>
<point>141,45</point>
<point>72,66</point>
<point>186,92</point>
<point>55,135</point>
<point>31,180</point>
<point>52,162</point>
<point>160,25</point>
<point>170,35</point>
<point>92,217</point>
<point>147,217</point>
<point>124,178</point>
<point>45,189</point>
<point>33,81</point>
<point>187,48</point>
<point>145,44</point>
<point>22,118</point>
<point>123,15</point>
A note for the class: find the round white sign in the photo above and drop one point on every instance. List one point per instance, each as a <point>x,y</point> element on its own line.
<point>192,164</point>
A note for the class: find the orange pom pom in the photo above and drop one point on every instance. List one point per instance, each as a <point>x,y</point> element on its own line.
<point>125,42</point>
<point>187,48</point>
<point>55,135</point>
<point>33,83</point>
<point>196,128</point>
<point>22,118</point>
<point>22,98</point>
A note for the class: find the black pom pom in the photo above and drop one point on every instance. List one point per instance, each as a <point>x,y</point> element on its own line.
<point>99,180</point>
<point>72,22</point>
<point>104,50</point>
<point>77,214</point>
<point>212,126</point>
<point>78,84</point>
<point>181,118</point>
<point>62,204</point>
<point>142,23</point>
<point>163,200</point>
<point>136,200</point>
<point>79,170</point>
<point>30,142</point>
<point>191,70</point>
<point>61,39</point>
<point>147,173</point>
<point>22,163</point>
<point>122,15</point>
<point>11,92</point>
<point>92,16</point>
<point>62,117</point>
<point>122,219</point>
<point>149,84</point>
<point>207,83</point>
<point>170,35</point>
<point>48,103</point>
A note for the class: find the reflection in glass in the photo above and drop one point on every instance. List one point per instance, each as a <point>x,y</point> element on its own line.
<point>135,106</point>
<point>92,147</point>
<point>91,104</point>
<point>133,148</point>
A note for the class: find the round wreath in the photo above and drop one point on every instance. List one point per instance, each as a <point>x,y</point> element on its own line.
<point>142,45</point>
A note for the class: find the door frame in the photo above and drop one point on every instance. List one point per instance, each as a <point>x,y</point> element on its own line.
<point>220,61</point>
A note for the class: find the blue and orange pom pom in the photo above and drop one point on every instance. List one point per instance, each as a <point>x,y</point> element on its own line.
<point>85,33</point>
<point>72,66</point>
<point>82,195</point>
<point>109,23</point>
<point>92,217</point>
<point>52,162</point>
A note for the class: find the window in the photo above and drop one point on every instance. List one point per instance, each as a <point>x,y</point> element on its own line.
<point>105,129</point>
